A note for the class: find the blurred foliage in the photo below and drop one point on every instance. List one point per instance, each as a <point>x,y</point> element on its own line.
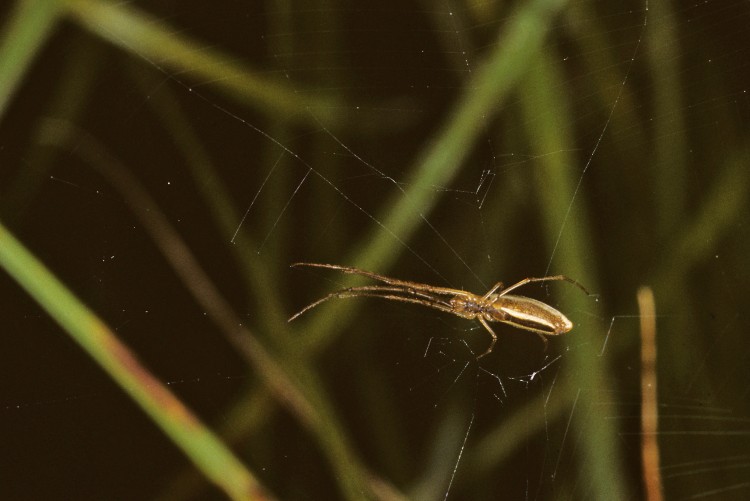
<point>167,161</point>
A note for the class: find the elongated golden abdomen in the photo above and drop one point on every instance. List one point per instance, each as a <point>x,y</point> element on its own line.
<point>529,314</point>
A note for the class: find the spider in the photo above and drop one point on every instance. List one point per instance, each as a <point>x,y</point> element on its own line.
<point>495,306</point>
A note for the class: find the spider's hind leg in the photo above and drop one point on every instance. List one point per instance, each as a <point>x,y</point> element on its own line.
<point>544,338</point>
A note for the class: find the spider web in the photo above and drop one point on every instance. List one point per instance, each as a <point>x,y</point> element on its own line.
<point>616,157</point>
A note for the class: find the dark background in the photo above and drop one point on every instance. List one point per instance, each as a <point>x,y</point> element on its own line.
<point>642,180</point>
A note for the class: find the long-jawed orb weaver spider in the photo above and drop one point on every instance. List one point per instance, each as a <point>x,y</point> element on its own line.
<point>519,311</point>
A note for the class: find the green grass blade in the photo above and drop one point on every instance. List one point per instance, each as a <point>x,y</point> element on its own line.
<point>97,339</point>
<point>30,25</point>
<point>569,232</point>
<point>153,40</point>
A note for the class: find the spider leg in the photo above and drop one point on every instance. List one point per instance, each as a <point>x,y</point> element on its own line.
<point>543,279</point>
<point>408,296</point>
<point>495,287</point>
<point>387,280</point>
<point>408,292</point>
<point>544,338</point>
<point>492,333</point>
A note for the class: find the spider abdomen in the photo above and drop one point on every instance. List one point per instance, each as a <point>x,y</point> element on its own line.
<point>529,314</point>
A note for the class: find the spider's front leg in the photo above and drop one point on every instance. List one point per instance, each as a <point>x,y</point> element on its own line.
<point>495,287</point>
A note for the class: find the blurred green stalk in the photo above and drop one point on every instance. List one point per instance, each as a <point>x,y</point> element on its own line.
<point>29,26</point>
<point>163,46</point>
<point>569,235</point>
<point>205,449</point>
